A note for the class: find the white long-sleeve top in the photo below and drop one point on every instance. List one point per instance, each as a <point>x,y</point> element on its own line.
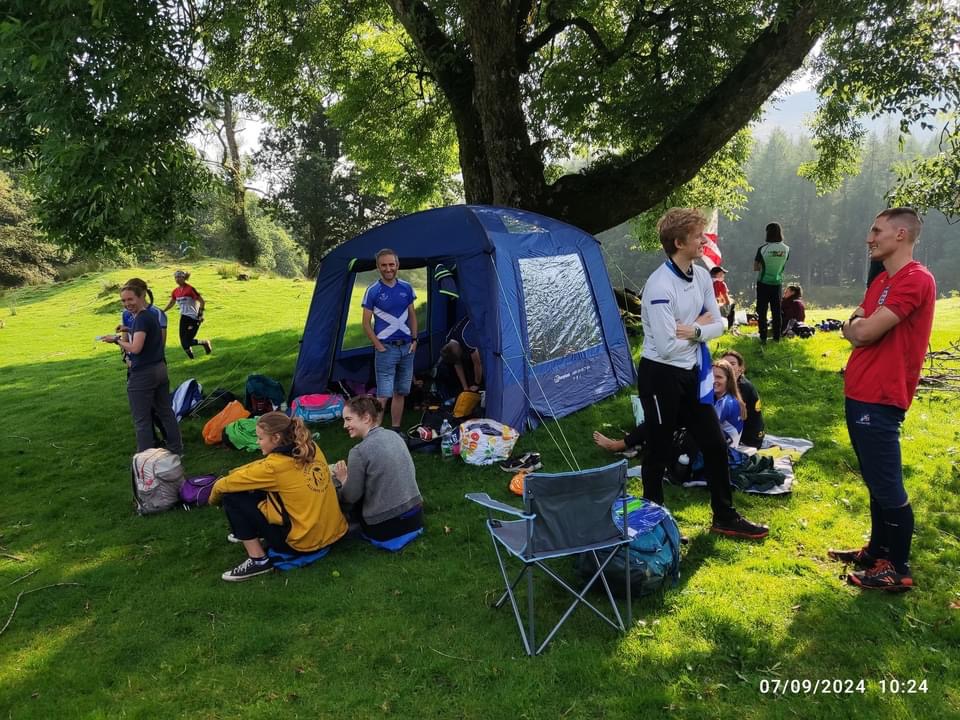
<point>669,299</point>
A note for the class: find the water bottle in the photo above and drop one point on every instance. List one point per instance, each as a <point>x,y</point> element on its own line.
<point>446,440</point>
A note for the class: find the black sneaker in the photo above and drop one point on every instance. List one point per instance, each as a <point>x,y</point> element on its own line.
<point>860,559</point>
<point>739,527</point>
<point>207,347</point>
<point>247,569</point>
<point>528,461</point>
<point>882,576</point>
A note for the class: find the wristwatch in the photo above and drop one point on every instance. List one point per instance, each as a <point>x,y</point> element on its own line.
<point>697,332</point>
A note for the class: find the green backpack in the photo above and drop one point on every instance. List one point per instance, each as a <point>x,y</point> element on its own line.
<point>242,434</point>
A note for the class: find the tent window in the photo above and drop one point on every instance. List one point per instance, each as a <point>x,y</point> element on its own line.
<point>353,335</point>
<point>561,315</point>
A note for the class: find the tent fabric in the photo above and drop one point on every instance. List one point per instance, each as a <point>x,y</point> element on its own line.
<point>535,289</point>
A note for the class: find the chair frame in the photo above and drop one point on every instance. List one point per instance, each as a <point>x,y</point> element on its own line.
<point>531,560</point>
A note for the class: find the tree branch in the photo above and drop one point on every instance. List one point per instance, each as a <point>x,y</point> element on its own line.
<point>601,198</point>
<point>450,64</point>
<point>16,603</point>
<point>641,20</point>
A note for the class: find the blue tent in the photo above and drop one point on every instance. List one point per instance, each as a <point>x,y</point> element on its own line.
<point>535,289</point>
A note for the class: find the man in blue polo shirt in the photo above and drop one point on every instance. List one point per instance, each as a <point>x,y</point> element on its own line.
<point>390,321</point>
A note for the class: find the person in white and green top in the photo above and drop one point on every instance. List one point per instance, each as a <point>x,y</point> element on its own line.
<point>769,263</point>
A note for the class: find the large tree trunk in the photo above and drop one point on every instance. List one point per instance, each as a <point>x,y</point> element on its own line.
<point>499,163</point>
<point>453,72</point>
<point>246,245</point>
<point>516,171</point>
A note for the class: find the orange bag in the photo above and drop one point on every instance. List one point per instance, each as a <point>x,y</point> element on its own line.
<point>213,430</point>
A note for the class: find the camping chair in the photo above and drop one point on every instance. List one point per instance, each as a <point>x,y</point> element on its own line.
<point>564,514</point>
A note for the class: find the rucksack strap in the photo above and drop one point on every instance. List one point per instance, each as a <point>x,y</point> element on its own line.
<point>274,499</point>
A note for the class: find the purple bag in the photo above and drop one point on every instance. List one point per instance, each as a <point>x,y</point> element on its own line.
<point>196,490</point>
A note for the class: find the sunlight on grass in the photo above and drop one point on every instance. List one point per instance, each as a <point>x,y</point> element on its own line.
<point>44,648</point>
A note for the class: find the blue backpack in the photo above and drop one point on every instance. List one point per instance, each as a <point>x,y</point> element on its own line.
<point>186,397</point>
<point>654,550</point>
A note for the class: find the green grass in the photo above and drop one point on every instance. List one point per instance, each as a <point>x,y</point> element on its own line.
<point>150,631</point>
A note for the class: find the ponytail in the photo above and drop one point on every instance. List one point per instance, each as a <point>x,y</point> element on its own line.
<point>292,432</point>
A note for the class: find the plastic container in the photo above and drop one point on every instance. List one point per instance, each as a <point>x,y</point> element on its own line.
<point>446,440</point>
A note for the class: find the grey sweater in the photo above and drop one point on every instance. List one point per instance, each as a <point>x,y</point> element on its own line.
<point>380,471</point>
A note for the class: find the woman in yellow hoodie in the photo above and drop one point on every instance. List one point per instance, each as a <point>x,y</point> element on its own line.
<point>288,498</point>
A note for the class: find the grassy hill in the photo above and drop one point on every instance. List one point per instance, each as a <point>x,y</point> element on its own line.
<point>124,616</point>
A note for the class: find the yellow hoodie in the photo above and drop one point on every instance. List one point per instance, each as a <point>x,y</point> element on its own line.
<point>305,491</point>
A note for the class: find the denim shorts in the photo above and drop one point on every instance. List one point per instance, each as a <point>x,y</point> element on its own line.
<point>875,435</point>
<point>394,370</point>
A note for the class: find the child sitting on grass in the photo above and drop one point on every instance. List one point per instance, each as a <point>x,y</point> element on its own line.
<point>753,426</point>
<point>730,408</point>
<point>378,481</point>
<point>287,498</point>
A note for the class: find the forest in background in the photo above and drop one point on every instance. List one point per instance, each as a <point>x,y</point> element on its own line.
<point>826,233</point>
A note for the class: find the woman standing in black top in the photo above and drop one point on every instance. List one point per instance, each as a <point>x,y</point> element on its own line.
<point>148,386</point>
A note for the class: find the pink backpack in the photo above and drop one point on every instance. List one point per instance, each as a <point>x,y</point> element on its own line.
<point>317,408</point>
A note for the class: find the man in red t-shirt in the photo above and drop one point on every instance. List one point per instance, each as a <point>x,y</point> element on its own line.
<point>889,331</point>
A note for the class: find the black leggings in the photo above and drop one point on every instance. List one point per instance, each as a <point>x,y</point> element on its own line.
<point>189,327</point>
<point>670,399</point>
<point>769,295</point>
<point>248,523</point>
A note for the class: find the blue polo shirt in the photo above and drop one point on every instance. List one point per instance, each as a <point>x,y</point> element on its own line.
<point>390,308</point>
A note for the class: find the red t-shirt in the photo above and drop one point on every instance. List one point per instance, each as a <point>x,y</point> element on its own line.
<point>888,371</point>
<point>720,288</point>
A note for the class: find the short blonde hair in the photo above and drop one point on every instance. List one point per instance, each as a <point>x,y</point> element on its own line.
<point>676,224</point>
<point>904,217</point>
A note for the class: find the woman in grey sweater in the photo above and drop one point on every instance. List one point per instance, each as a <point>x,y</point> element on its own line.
<point>378,479</point>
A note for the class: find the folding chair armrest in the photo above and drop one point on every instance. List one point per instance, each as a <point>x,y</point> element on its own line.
<point>491,504</point>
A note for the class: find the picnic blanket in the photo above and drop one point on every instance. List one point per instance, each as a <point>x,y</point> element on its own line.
<point>767,471</point>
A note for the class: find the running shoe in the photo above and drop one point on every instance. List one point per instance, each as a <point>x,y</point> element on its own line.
<point>882,576</point>
<point>739,527</point>
<point>860,559</point>
<point>527,462</point>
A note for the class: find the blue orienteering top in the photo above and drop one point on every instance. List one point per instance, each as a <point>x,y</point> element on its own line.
<point>728,412</point>
<point>390,307</point>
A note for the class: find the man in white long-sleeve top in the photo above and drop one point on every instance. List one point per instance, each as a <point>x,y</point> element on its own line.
<point>680,313</point>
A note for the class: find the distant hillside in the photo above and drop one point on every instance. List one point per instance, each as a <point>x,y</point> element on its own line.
<point>792,112</point>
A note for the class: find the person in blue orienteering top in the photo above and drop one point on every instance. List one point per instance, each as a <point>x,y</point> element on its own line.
<point>730,408</point>
<point>390,321</point>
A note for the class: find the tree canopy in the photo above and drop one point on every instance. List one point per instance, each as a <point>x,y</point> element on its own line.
<point>99,94</point>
